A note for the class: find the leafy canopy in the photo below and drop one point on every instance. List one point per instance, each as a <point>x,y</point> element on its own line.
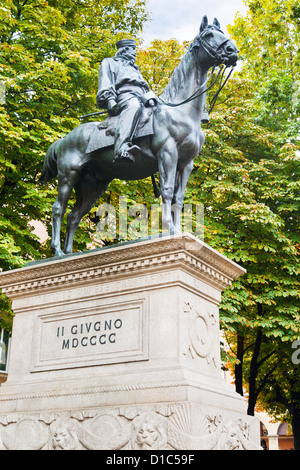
<point>50,52</point>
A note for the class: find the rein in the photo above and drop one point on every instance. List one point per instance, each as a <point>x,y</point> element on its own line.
<point>221,86</point>
<point>199,92</point>
<point>195,95</point>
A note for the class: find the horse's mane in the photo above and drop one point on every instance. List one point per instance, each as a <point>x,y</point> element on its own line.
<point>181,72</point>
<point>178,79</point>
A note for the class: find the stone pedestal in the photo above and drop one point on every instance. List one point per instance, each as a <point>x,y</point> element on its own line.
<point>119,348</point>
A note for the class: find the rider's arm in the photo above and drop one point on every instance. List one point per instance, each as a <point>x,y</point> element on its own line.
<point>106,85</point>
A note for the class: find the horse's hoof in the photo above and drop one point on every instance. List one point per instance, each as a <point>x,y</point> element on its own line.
<point>174,231</point>
<point>58,254</point>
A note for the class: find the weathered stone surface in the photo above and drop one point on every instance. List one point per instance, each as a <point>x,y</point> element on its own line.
<point>109,343</point>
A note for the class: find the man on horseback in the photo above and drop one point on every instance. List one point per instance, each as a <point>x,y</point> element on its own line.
<point>176,130</point>
<point>123,91</point>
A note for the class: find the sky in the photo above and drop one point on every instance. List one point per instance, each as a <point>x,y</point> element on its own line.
<point>181,19</point>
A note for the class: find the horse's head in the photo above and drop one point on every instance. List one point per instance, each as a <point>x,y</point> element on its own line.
<point>212,47</point>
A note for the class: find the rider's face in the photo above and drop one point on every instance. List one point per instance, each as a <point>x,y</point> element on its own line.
<point>129,53</point>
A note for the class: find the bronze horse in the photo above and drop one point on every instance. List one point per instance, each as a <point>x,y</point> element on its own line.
<point>177,140</point>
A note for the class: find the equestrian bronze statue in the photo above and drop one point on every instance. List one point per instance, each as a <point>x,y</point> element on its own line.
<point>142,135</point>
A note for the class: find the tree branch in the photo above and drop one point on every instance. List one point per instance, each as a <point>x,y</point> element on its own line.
<point>264,380</point>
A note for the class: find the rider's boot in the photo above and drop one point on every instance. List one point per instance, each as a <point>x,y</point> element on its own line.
<point>128,151</point>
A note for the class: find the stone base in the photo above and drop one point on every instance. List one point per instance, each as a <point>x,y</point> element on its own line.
<point>119,348</point>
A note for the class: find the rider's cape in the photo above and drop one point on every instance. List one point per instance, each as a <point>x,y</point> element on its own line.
<point>104,134</point>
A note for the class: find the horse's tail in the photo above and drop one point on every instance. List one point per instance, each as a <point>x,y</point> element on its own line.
<point>50,164</point>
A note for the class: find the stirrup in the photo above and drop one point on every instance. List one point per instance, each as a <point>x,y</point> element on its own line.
<point>128,153</point>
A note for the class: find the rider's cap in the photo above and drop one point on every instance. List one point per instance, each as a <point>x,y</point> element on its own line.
<point>125,43</point>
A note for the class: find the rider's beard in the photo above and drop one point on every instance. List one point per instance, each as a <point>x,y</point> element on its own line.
<point>129,59</point>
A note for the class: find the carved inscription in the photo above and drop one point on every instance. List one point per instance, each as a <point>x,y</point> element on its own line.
<point>100,336</point>
<point>89,333</point>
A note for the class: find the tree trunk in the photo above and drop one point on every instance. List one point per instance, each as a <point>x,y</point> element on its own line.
<point>295,412</point>
<point>238,370</point>
<point>253,371</point>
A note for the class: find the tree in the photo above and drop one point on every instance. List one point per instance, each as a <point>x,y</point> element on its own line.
<point>282,396</point>
<point>277,380</point>
<point>266,302</point>
<point>268,37</point>
<point>159,60</point>
<point>247,177</point>
<point>49,59</point>
<point>248,181</point>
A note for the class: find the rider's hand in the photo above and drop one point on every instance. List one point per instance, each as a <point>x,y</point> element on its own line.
<point>113,108</point>
<point>151,103</point>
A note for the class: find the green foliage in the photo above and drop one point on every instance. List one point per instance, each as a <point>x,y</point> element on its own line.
<point>50,52</point>
<point>247,176</point>
<point>264,196</point>
<point>248,182</point>
<point>268,38</point>
<point>158,62</point>
<point>283,388</point>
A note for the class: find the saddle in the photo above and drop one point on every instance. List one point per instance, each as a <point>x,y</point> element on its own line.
<point>104,134</point>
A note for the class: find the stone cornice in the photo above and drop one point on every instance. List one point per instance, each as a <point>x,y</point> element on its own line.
<point>141,257</point>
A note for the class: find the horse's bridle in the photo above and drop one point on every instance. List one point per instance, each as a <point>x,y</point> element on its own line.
<point>215,56</point>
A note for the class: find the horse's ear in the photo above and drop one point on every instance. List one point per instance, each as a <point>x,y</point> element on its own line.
<point>204,23</point>
<point>216,23</point>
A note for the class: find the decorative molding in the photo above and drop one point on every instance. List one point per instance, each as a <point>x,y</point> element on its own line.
<point>108,389</point>
<point>200,332</point>
<point>180,426</point>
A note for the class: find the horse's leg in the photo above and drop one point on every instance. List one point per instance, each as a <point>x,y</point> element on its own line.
<point>87,190</point>
<point>181,180</point>
<point>65,186</point>
<point>167,163</point>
